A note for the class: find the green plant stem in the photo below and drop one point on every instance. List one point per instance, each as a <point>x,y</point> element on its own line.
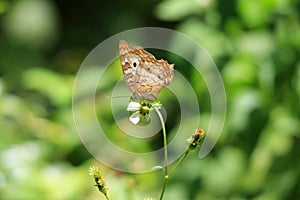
<point>165,140</point>
<point>164,188</point>
<point>167,175</point>
<point>172,171</point>
<point>106,197</point>
<point>165,152</point>
<point>179,162</point>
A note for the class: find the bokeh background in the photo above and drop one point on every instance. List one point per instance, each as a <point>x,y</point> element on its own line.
<point>255,44</point>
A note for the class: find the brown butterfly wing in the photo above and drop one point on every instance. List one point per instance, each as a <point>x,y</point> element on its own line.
<point>145,76</point>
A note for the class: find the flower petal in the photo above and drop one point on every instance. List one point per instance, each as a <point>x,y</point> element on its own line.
<point>135,117</point>
<point>133,106</point>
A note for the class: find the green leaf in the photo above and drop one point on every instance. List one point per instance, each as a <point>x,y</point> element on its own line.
<point>57,87</point>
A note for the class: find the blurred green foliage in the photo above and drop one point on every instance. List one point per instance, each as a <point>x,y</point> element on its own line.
<point>255,44</point>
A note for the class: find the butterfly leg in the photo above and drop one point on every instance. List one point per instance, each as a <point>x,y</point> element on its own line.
<point>143,96</point>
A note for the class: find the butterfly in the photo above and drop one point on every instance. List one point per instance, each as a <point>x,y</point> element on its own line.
<point>144,75</point>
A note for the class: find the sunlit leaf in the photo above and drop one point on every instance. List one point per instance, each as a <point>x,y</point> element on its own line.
<point>172,10</point>
<point>57,87</point>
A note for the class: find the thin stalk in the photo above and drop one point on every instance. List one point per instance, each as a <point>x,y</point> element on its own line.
<point>167,175</point>
<point>164,188</point>
<point>171,172</point>
<point>166,178</point>
<point>179,162</point>
<point>165,140</point>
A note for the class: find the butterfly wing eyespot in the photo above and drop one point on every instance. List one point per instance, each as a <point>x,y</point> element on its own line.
<point>144,75</point>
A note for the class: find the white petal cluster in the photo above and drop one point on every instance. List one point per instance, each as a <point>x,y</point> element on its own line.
<point>136,116</point>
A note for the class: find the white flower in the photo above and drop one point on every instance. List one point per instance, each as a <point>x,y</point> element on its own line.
<point>133,106</point>
<point>136,116</point>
